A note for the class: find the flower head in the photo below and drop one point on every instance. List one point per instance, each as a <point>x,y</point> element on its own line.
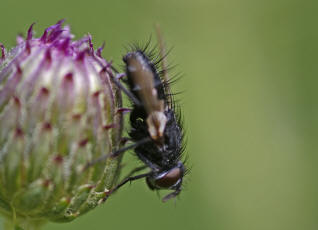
<point>58,111</point>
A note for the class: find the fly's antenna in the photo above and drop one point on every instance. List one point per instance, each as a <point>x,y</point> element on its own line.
<point>164,64</point>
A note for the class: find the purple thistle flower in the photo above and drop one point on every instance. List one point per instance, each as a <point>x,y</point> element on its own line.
<point>58,111</point>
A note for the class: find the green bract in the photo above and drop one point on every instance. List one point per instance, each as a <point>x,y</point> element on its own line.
<point>58,111</point>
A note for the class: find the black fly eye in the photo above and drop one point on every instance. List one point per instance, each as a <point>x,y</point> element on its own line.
<point>169,179</point>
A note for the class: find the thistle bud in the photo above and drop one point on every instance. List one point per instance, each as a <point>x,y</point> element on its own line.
<point>58,111</point>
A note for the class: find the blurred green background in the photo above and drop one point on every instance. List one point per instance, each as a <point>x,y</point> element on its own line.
<point>250,106</point>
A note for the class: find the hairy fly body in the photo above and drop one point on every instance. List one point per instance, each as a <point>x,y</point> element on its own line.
<point>155,117</point>
<point>156,129</point>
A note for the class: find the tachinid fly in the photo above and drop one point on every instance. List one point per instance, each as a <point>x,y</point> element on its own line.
<point>155,117</point>
<point>156,129</point>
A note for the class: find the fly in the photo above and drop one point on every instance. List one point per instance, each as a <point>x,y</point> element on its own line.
<point>156,129</point>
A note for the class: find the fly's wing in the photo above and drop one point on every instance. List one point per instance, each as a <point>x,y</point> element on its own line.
<point>164,65</point>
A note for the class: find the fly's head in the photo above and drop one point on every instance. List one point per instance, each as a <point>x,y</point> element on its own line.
<point>169,179</point>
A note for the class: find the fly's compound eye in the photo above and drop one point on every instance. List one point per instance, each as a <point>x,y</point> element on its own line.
<point>166,180</point>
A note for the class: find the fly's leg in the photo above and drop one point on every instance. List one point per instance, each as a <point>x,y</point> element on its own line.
<point>128,179</point>
<point>116,153</point>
